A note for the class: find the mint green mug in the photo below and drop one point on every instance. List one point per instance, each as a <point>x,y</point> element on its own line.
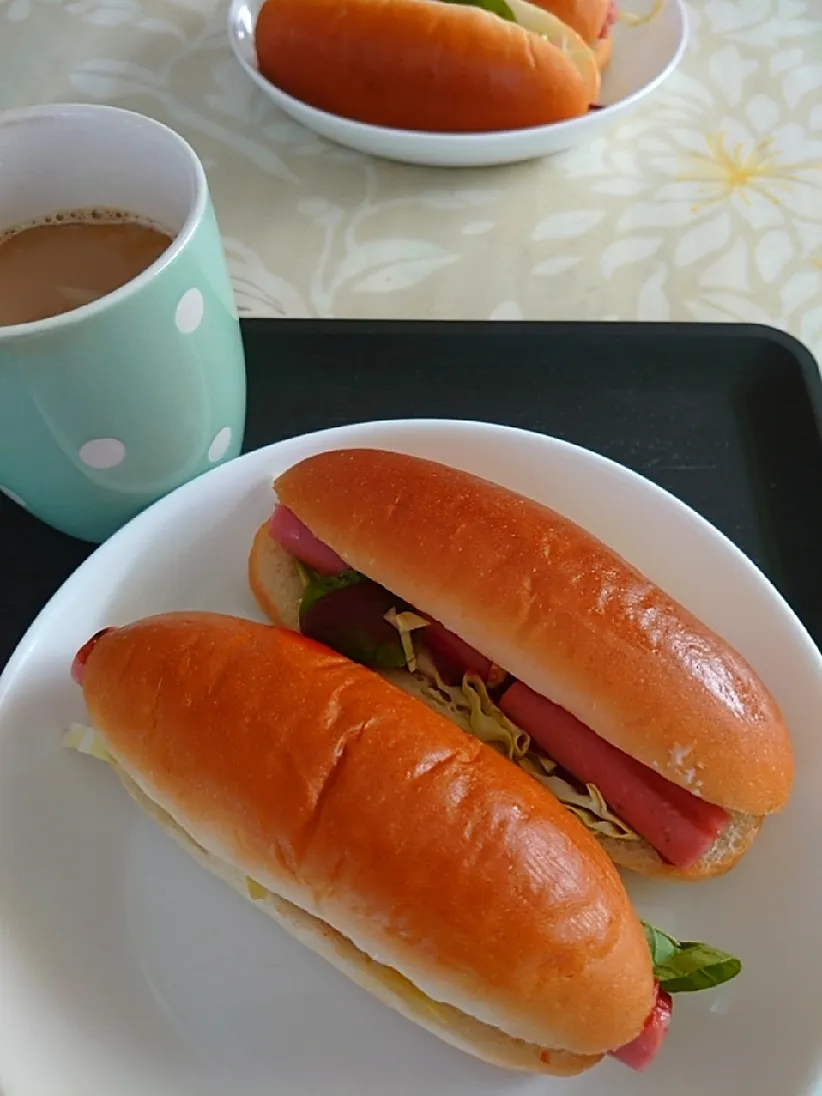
<point>108,407</point>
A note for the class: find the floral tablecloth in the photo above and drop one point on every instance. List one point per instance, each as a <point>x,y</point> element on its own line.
<point>704,204</point>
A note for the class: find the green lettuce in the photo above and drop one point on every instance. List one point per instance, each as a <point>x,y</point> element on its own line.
<point>688,967</point>
<point>496,7</point>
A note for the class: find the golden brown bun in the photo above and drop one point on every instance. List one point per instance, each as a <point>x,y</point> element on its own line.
<point>586,17</point>
<point>342,795</point>
<point>417,65</point>
<point>276,585</point>
<point>454,1027</point>
<point>602,52</point>
<point>561,611</point>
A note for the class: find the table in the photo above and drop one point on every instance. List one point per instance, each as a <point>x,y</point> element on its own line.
<point>704,204</point>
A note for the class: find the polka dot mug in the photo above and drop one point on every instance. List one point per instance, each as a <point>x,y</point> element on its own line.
<point>106,408</point>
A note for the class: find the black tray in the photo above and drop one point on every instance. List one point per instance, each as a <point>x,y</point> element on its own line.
<point>728,418</point>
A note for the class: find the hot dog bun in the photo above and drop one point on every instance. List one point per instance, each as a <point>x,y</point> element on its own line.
<point>270,757</point>
<point>647,681</point>
<point>586,17</point>
<point>602,52</point>
<point>426,65</point>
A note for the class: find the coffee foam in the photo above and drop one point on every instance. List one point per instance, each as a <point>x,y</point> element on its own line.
<point>97,215</point>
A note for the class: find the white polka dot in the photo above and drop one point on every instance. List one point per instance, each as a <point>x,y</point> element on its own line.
<point>103,453</point>
<point>11,495</point>
<point>189,314</point>
<point>218,447</point>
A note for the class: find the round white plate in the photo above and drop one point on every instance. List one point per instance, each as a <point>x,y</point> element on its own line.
<point>643,56</point>
<point>126,970</point>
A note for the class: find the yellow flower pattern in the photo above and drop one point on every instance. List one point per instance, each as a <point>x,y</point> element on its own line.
<point>727,169</point>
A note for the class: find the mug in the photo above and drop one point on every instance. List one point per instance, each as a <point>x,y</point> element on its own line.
<point>106,408</point>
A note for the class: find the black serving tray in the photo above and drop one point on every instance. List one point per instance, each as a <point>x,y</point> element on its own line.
<point>728,418</point>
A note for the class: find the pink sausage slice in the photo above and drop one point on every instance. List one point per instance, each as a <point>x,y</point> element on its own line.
<point>641,1051</point>
<point>452,656</point>
<point>287,529</point>
<point>676,823</point>
<point>81,658</point>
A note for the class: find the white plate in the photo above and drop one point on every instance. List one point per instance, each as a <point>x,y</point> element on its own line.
<point>643,57</point>
<point>126,970</point>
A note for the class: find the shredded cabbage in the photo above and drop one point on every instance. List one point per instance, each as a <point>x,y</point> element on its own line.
<point>405,623</point>
<point>472,708</point>
<point>588,806</point>
<point>406,990</point>
<point>86,741</point>
<point>256,891</point>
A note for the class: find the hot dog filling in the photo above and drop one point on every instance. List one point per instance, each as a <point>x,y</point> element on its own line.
<point>641,1052</point>
<point>612,793</point>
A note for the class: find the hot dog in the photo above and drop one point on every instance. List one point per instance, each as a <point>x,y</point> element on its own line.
<point>416,860</point>
<point>654,731</point>
<point>454,66</point>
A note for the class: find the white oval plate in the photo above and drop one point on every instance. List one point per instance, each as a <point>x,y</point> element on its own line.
<point>126,970</point>
<point>643,57</point>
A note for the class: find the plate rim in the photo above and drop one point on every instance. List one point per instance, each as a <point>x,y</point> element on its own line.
<point>165,506</point>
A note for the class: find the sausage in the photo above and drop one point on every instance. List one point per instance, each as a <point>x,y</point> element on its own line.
<point>287,529</point>
<point>679,825</point>
<point>641,1051</point>
<point>80,659</point>
<point>453,657</point>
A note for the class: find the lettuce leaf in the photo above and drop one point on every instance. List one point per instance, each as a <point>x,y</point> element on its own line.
<point>364,635</point>
<point>317,586</point>
<point>688,967</point>
<point>496,7</point>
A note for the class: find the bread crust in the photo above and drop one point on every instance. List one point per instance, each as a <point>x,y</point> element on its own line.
<point>277,588</point>
<point>344,796</point>
<point>560,610</point>
<point>417,65</point>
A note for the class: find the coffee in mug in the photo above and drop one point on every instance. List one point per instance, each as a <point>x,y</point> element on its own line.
<point>70,258</point>
<point>108,404</point>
